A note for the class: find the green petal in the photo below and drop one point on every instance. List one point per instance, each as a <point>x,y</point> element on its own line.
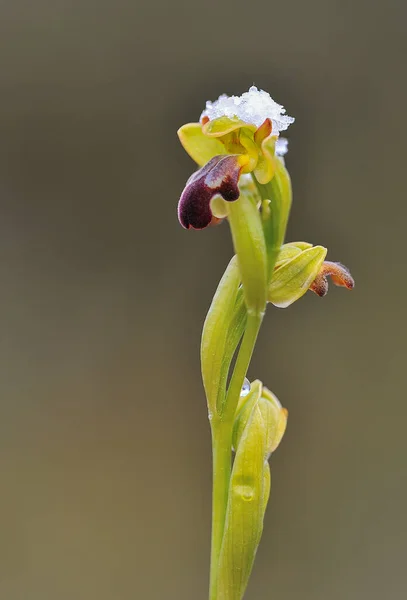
<point>266,166</point>
<point>199,147</point>
<point>224,125</point>
<point>294,278</point>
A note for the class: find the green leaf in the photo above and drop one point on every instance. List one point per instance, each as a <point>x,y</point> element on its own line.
<point>235,332</point>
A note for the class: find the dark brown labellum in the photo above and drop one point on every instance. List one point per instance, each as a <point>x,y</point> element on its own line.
<point>219,176</point>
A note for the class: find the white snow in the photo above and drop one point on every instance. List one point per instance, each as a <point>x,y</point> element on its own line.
<point>252,107</point>
<point>281,146</point>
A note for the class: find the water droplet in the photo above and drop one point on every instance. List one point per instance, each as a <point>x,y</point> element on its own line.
<point>245,388</point>
<point>245,492</point>
<point>210,416</point>
<point>248,495</point>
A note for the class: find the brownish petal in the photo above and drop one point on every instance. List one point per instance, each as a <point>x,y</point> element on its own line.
<point>339,274</point>
<point>319,286</point>
<point>263,132</point>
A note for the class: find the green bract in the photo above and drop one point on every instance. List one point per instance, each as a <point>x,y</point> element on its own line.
<point>259,426</point>
<point>222,331</point>
<point>250,246</point>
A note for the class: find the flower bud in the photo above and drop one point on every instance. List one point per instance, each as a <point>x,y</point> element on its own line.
<point>275,419</point>
<point>293,278</point>
<point>300,267</point>
<point>289,251</point>
<point>244,410</point>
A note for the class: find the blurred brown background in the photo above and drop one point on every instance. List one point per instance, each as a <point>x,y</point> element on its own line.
<point>104,440</point>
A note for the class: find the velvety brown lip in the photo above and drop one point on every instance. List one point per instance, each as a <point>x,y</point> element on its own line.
<point>219,176</point>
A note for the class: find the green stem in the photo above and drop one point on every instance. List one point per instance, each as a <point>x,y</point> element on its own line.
<point>242,364</point>
<point>222,429</point>
<point>222,457</point>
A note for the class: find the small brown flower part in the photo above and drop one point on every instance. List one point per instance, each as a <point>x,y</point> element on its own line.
<point>219,176</point>
<point>263,132</point>
<point>339,274</point>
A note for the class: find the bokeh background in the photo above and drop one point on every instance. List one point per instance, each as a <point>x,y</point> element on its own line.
<point>104,439</point>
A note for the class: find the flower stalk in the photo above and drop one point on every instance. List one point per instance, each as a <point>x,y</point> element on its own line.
<point>242,178</point>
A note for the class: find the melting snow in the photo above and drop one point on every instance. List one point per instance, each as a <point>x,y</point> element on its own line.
<point>252,107</point>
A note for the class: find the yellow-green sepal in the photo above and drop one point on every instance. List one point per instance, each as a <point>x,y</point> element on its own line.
<point>291,280</point>
<point>199,146</point>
